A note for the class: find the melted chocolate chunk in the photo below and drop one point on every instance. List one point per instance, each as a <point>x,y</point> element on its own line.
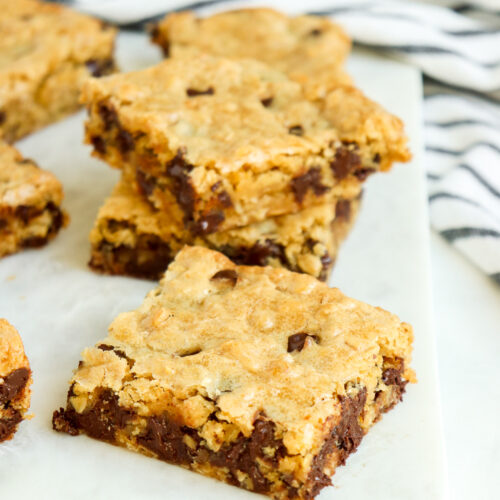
<point>208,223</point>
<point>3,117</point>
<point>177,169</point>
<point>267,101</point>
<point>225,199</point>
<point>344,439</point>
<point>343,210</point>
<point>3,223</point>
<point>117,225</point>
<point>296,130</point>
<point>310,180</point>
<point>99,422</point>
<point>100,67</point>
<point>9,424</point>
<point>376,158</point>
<point>393,377</point>
<point>195,92</point>
<point>345,162</point>
<point>124,141</point>
<point>26,213</point>
<point>145,182</point>
<point>296,342</point>
<point>229,275</point>
<point>257,255</point>
<point>98,143</point>
<point>105,347</point>
<point>108,116</point>
<point>362,173</point>
<point>13,384</point>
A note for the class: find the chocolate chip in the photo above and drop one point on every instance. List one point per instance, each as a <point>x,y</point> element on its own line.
<point>34,242</point>
<point>256,255</point>
<point>225,199</point>
<point>108,116</point>
<point>3,223</point>
<point>145,182</point>
<point>208,223</point>
<point>296,342</point>
<point>26,213</point>
<point>105,347</point>
<point>124,141</point>
<point>3,117</point>
<point>229,275</point>
<point>99,144</point>
<point>100,67</point>
<point>345,162</point>
<point>9,424</point>
<point>296,130</point>
<point>310,180</point>
<point>315,32</point>
<point>267,101</point>
<point>194,92</point>
<point>215,186</point>
<point>362,173</point>
<point>343,210</point>
<point>13,384</point>
<point>376,158</point>
<point>177,169</point>
<point>326,262</point>
<point>114,225</point>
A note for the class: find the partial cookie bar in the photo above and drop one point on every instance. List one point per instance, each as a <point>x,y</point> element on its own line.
<point>30,203</point>
<point>236,142</point>
<point>256,376</point>
<point>15,381</point>
<point>311,50</point>
<point>131,238</point>
<point>46,52</point>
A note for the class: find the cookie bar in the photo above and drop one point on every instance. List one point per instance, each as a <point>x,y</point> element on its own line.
<point>309,49</point>
<point>256,376</point>
<point>236,142</point>
<point>46,51</point>
<point>15,381</point>
<point>30,203</point>
<point>130,237</point>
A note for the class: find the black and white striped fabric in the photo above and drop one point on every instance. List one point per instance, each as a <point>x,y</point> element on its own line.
<point>456,43</point>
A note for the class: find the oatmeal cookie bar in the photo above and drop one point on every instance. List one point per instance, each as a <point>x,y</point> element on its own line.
<point>15,381</point>
<point>256,376</point>
<point>236,142</point>
<point>130,237</point>
<point>46,51</point>
<point>30,203</point>
<point>311,50</point>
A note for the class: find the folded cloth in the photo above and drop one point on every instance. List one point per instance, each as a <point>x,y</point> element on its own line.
<point>456,44</point>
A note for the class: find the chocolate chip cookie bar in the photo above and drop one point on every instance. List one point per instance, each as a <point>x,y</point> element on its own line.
<point>46,52</point>
<point>309,49</point>
<point>256,376</point>
<point>236,142</point>
<point>15,381</point>
<point>30,203</point>
<point>130,237</point>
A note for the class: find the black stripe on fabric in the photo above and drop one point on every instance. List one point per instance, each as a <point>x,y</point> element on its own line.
<point>430,50</point>
<point>460,152</point>
<point>460,123</point>
<point>495,277</point>
<point>458,233</point>
<point>433,177</point>
<point>463,8</point>
<point>401,17</point>
<point>463,93</point>
<point>450,196</point>
<point>481,179</point>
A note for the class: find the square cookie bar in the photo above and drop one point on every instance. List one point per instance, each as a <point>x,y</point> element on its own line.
<point>30,203</point>
<point>130,237</point>
<point>236,142</point>
<point>46,51</point>
<point>256,376</point>
<point>15,381</point>
<point>310,49</point>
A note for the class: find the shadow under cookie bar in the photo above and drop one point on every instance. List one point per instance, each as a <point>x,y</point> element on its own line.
<point>41,84</point>
<point>15,379</point>
<point>228,153</point>
<point>270,409</point>
<point>132,238</point>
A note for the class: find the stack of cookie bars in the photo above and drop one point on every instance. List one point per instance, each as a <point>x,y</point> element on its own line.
<point>248,139</point>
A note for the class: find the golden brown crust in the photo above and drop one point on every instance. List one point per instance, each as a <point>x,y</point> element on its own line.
<point>46,51</point>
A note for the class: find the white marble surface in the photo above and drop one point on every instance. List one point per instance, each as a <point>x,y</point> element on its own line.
<point>60,307</point>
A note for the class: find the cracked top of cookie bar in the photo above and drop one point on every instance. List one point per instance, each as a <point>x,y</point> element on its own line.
<point>36,37</point>
<point>240,115</point>
<point>12,354</point>
<point>309,49</point>
<point>246,339</point>
<point>23,183</point>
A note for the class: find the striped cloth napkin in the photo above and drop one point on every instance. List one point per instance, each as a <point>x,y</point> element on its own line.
<point>456,44</point>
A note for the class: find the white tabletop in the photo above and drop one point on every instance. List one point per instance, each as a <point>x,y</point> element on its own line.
<point>467,328</point>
